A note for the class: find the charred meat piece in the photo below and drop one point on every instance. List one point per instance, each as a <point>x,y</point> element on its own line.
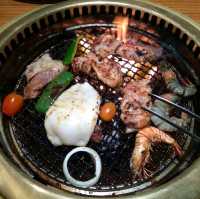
<point>41,79</point>
<point>135,96</point>
<point>106,44</point>
<point>139,52</point>
<point>44,63</point>
<point>107,71</point>
<point>40,73</point>
<point>84,63</point>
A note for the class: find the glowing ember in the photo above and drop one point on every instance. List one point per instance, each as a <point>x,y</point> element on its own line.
<point>122,26</point>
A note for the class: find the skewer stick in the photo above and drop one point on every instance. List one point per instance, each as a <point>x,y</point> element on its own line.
<point>193,136</point>
<point>189,112</point>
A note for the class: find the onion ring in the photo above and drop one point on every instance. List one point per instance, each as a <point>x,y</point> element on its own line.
<point>98,167</point>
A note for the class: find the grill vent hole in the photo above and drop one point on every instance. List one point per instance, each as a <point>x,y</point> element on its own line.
<point>7,51</point>
<point>20,37</point>
<point>85,10</point>
<point>137,14</point>
<point>162,23</point>
<point>120,11</point>
<point>170,28</point>
<point>146,17</point>
<point>34,27</point>
<point>94,10</point>
<point>185,38</point>
<point>76,12</point>
<point>129,12</point>
<point>154,20</point>
<point>51,20</point>
<point>59,16</point>
<point>111,9</point>
<point>13,44</point>
<point>177,32</point>
<point>67,14</point>
<point>197,52</point>
<point>103,9</point>
<point>43,23</point>
<point>27,32</point>
<point>2,59</point>
<point>191,45</point>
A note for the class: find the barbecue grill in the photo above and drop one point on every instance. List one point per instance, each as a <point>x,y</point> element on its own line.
<point>31,166</point>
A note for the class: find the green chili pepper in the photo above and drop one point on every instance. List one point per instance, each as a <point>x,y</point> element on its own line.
<point>53,89</point>
<point>71,50</point>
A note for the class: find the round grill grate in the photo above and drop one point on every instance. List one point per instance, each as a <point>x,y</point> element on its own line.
<point>27,130</point>
<point>115,149</point>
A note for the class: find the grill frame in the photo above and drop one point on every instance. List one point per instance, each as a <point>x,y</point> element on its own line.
<point>9,32</point>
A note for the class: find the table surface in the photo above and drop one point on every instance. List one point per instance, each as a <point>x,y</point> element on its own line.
<point>9,9</point>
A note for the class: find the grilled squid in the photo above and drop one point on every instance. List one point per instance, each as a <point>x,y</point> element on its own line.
<point>72,118</point>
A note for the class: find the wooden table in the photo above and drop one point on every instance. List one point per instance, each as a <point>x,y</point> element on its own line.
<point>9,9</point>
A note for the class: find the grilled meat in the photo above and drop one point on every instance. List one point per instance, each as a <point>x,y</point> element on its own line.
<point>84,63</point>
<point>106,70</point>
<point>40,73</point>
<point>139,52</point>
<point>44,63</point>
<point>106,44</point>
<point>135,96</point>
<point>109,72</point>
<point>41,79</point>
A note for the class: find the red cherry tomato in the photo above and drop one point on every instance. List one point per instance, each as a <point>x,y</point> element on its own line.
<point>12,104</point>
<point>107,111</point>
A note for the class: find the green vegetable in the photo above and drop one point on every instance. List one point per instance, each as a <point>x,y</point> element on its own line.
<point>53,89</point>
<point>71,50</point>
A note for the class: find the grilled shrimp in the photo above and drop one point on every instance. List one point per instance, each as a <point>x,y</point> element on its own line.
<point>175,86</point>
<point>165,110</point>
<point>141,153</point>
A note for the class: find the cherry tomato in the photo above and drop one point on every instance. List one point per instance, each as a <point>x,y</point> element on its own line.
<point>12,104</point>
<point>107,111</point>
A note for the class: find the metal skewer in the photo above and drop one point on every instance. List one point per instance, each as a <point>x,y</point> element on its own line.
<point>189,112</point>
<point>195,137</point>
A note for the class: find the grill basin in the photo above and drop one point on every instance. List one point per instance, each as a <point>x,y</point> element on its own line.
<point>49,21</point>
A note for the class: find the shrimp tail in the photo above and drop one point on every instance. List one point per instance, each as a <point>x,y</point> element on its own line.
<point>177,149</point>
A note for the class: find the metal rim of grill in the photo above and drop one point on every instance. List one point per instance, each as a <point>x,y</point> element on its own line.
<point>122,9</point>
